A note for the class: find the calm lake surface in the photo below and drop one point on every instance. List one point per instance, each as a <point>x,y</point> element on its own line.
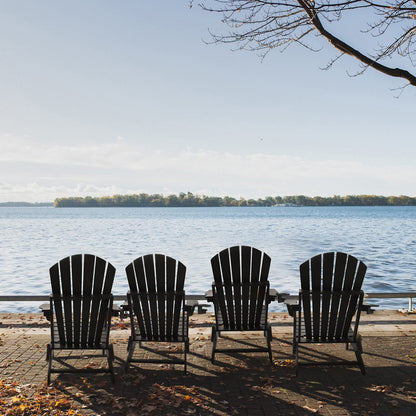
<point>33,239</point>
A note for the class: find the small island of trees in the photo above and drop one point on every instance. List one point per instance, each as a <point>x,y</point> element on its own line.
<point>190,200</point>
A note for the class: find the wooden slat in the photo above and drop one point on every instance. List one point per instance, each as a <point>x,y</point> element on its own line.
<point>236,273</point>
<point>143,300</point>
<point>170,302</point>
<point>254,290</point>
<point>305,297</point>
<point>346,297</point>
<point>219,299</point>
<point>65,272</point>
<point>133,298</point>
<point>339,273</point>
<point>99,272</point>
<point>327,274</point>
<point>89,265</point>
<point>77,275</point>
<point>161,291</point>
<point>359,277</point>
<point>56,290</point>
<point>227,287</point>
<point>151,288</point>
<point>245,280</point>
<point>179,295</point>
<point>316,278</point>
<point>263,289</point>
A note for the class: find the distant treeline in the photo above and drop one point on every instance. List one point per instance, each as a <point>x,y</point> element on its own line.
<point>191,200</point>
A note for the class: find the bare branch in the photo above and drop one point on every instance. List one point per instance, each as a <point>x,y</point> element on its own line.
<point>262,26</point>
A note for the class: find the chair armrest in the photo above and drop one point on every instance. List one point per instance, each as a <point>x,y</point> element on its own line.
<point>189,306</point>
<point>292,305</point>
<point>209,296</point>
<point>272,295</point>
<point>124,310</point>
<point>116,310</point>
<point>366,307</point>
<point>46,310</point>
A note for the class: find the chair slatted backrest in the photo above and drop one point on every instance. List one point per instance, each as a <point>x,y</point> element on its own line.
<point>81,297</point>
<point>331,288</point>
<point>157,294</point>
<point>240,286</point>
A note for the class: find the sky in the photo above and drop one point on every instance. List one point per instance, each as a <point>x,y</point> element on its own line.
<point>106,97</point>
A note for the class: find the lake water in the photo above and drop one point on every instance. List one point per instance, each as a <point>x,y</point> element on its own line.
<point>33,239</point>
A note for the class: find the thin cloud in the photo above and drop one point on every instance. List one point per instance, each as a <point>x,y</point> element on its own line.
<point>37,171</point>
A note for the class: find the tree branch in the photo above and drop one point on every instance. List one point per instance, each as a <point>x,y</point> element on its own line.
<point>349,50</point>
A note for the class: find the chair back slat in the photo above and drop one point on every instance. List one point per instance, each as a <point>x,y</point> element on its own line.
<point>240,287</point>
<point>156,295</point>
<point>227,280</point>
<point>333,281</point>
<point>327,273</point>
<point>99,273</point>
<point>160,266</point>
<point>305,298</point>
<point>357,295</point>
<point>245,280</point>
<point>349,278</point>
<point>141,309</point>
<point>255,278</point>
<point>149,264</point>
<point>263,288</point>
<point>316,263</point>
<point>170,301</point>
<point>81,316</point>
<point>87,284</point>
<point>77,291</point>
<point>179,297</point>
<point>338,278</point>
<point>219,294</point>
<point>65,270</point>
<point>54,273</point>
<point>236,273</point>
<point>105,306</point>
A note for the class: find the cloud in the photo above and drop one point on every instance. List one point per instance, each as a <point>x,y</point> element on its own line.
<point>37,171</point>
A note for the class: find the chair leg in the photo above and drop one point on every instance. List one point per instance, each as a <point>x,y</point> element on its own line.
<point>130,348</point>
<point>214,342</point>
<point>186,350</point>
<point>269,340</point>
<point>110,358</point>
<point>358,349</point>
<point>296,352</point>
<point>49,354</point>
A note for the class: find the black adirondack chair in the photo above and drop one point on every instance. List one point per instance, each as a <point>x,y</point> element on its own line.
<point>156,304</point>
<point>329,299</point>
<point>80,309</point>
<point>241,294</point>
